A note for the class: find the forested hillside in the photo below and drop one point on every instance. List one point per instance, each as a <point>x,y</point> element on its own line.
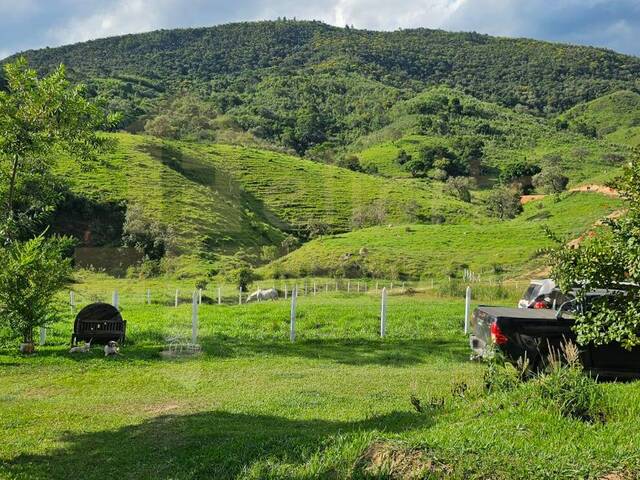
<point>305,84</point>
<point>248,140</point>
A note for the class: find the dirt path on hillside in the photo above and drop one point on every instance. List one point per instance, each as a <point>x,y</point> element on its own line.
<point>602,189</point>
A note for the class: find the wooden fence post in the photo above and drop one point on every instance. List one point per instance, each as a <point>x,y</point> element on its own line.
<point>286,292</point>
<point>219,296</point>
<point>240,296</point>
<point>148,296</point>
<point>177,299</point>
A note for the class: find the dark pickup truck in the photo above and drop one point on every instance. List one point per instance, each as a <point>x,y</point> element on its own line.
<point>517,332</point>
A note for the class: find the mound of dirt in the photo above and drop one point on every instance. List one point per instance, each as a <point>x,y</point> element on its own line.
<point>401,463</point>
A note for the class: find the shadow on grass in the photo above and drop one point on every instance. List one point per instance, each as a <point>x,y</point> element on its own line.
<point>392,352</point>
<point>359,351</point>
<point>214,444</point>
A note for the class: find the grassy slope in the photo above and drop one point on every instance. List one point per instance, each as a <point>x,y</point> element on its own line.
<point>202,207</point>
<point>518,136</point>
<point>616,117</point>
<point>298,190</point>
<point>426,250</point>
<point>220,196</point>
<point>256,406</point>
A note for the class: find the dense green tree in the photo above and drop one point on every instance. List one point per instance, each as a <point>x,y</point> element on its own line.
<point>610,260</point>
<point>503,203</point>
<point>38,117</point>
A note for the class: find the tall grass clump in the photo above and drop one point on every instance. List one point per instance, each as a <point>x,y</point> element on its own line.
<point>563,386</point>
<point>566,386</point>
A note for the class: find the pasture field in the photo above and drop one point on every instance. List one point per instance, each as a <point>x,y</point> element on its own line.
<point>253,405</point>
<point>419,251</point>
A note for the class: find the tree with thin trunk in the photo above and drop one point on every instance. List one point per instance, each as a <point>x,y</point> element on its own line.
<point>41,118</point>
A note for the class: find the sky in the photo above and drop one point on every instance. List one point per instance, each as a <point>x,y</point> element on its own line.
<point>614,24</point>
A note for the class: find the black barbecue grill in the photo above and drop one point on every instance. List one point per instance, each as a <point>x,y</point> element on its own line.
<point>99,323</point>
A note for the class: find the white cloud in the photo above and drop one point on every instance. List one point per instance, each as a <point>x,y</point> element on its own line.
<point>115,18</point>
<point>390,15</point>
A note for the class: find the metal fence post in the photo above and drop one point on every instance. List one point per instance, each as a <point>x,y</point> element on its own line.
<point>115,300</point>
<point>383,312</point>
<point>292,325</point>
<point>467,309</point>
<point>194,318</point>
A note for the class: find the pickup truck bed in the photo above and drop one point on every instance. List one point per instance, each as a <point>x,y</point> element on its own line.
<point>533,333</point>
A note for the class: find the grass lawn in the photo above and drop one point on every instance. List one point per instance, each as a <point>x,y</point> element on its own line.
<point>253,405</point>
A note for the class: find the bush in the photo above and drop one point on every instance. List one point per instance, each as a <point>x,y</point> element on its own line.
<point>566,387</point>
<point>147,236</point>
<point>241,277</point>
<point>369,215</point>
<point>460,187</point>
<point>33,272</point>
<point>350,162</point>
<point>503,203</point>
<point>551,180</point>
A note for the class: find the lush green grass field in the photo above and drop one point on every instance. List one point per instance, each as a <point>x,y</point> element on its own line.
<point>417,251</point>
<point>253,405</point>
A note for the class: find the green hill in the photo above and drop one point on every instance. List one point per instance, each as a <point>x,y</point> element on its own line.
<point>614,117</point>
<point>430,119</point>
<point>304,84</point>
<point>219,198</point>
<point>423,251</point>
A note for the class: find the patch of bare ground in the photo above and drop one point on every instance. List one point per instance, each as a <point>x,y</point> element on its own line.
<point>577,241</point>
<point>162,408</point>
<point>390,460</point>
<point>615,476</point>
<point>602,189</point>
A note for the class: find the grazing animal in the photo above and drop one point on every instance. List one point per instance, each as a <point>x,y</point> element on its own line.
<point>259,295</point>
<point>82,348</point>
<point>111,348</point>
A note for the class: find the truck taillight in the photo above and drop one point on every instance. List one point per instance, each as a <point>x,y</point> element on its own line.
<point>541,304</point>
<point>497,336</point>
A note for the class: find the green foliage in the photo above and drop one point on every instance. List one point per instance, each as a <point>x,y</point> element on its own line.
<point>32,273</point>
<point>241,277</point>
<point>610,260</point>
<point>351,162</point>
<point>569,389</point>
<point>460,187</point>
<point>38,117</point>
<point>302,84</point>
<point>519,173</point>
<point>503,203</point>
<point>146,235</point>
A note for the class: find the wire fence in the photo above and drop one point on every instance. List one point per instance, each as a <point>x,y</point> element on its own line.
<point>174,295</point>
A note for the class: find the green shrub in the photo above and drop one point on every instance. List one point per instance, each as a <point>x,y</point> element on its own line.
<point>569,389</point>
<point>32,273</point>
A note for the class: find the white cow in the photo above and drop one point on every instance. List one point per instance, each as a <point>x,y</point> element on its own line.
<point>259,295</point>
